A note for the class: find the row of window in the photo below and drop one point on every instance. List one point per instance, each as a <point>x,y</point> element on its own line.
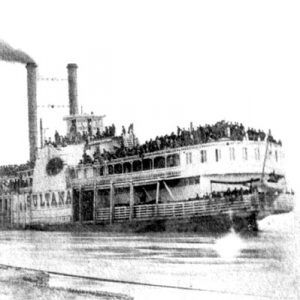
<point>158,162</point>
<point>172,160</point>
<point>232,156</point>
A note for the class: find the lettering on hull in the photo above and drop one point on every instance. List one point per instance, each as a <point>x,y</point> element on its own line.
<point>46,200</point>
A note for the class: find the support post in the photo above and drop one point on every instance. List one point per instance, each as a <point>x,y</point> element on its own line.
<point>30,207</point>
<point>2,212</point>
<point>112,203</point>
<point>265,157</point>
<point>11,211</point>
<point>7,219</point>
<point>72,204</point>
<point>95,203</point>
<point>131,201</point>
<point>80,205</point>
<point>41,133</point>
<point>18,218</point>
<point>24,211</point>
<point>157,198</point>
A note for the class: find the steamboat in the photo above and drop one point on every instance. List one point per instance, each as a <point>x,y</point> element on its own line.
<point>206,178</point>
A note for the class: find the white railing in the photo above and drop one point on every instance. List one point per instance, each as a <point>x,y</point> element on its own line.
<point>121,213</point>
<point>102,214</point>
<point>167,172</point>
<point>178,209</point>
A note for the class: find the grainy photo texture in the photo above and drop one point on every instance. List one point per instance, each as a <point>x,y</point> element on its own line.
<point>149,150</point>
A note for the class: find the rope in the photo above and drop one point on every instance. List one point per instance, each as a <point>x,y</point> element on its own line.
<point>135,282</point>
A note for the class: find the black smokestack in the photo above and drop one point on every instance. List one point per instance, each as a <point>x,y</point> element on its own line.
<point>32,109</point>
<point>72,80</point>
<point>8,53</point>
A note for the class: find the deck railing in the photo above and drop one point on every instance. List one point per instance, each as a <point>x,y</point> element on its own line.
<point>179,209</point>
<point>163,173</point>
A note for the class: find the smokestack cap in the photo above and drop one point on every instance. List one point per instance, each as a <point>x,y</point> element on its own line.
<point>31,65</point>
<point>70,66</point>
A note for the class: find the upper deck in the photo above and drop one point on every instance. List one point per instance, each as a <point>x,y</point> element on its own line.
<point>225,157</point>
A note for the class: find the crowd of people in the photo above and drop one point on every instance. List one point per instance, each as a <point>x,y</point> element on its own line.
<point>14,184</point>
<point>13,170</point>
<point>232,193</point>
<point>183,137</point>
<point>78,138</point>
<point>11,179</point>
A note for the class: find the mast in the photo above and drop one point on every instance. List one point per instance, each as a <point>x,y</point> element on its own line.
<point>266,155</point>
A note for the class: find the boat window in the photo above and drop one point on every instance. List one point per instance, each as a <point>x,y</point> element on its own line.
<point>72,173</point>
<point>218,154</point>
<point>159,162</point>
<point>276,155</point>
<point>127,167</point>
<point>231,153</point>
<point>101,171</point>
<point>245,153</point>
<point>95,170</point>
<point>188,157</point>
<point>137,166</point>
<point>147,164</point>
<point>118,168</point>
<point>110,169</point>
<point>173,160</point>
<point>203,156</point>
<point>103,195</point>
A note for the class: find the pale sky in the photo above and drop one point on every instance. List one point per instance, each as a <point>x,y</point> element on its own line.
<point>157,64</point>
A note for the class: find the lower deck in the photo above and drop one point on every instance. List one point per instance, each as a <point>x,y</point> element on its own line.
<point>241,206</point>
<point>102,206</point>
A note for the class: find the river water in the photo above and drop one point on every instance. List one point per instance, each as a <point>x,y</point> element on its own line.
<point>228,266</point>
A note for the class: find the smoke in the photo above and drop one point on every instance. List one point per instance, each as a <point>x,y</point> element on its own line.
<point>8,53</point>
